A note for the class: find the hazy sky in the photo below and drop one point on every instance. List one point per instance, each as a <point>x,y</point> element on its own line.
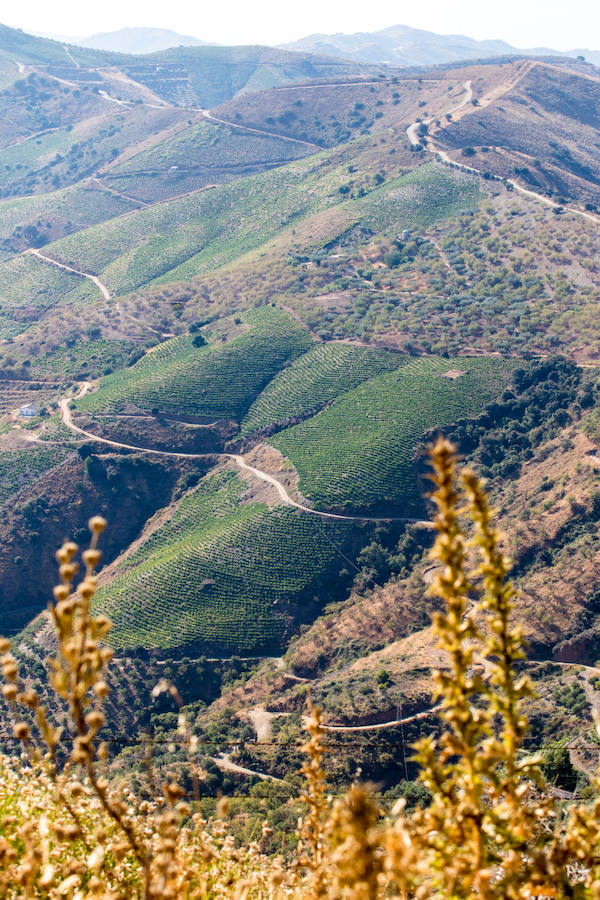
<point>523,23</point>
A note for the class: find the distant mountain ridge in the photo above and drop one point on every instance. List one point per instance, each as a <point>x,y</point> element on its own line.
<point>190,76</point>
<point>401,45</point>
<point>139,40</point>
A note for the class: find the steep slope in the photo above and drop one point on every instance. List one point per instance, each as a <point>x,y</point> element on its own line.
<point>200,76</point>
<point>202,381</point>
<point>358,454</point>
<point>40,507</point>
<point>543,129</point>
<point>304,328</point>
<point>224,576</point>
<point>26,48</point>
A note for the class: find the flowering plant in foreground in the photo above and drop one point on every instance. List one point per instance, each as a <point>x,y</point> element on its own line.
<point>490,831</point>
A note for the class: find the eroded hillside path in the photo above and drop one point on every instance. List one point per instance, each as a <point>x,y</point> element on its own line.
<point>412,129</point>
<point>67,419</point>
<point>102,287</point>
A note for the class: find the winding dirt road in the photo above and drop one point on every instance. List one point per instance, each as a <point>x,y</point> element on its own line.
<point>110,190</point>
<point>430,146</point>
<point>415,718</point>
<point>67,419</point>
<point>517,187</point>
<point>412,129</point>
<point>102,287</point>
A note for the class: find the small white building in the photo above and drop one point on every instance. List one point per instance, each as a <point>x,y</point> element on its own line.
<point>29,410</point>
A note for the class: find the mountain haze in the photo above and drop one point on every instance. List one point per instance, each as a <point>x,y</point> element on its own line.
<point>139,40</point>
<point>401,45</point>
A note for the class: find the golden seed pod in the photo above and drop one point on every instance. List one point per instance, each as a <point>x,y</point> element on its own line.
<point>101,689</point>
<point>97,524</point>
<point>65,607</point>
<point>21,731</point>
<point>91,557</point>
<point>173,791</point>
<point>95,719</point>
<point>9,691</point>
<point>61,592</point>
<point>30,698</point>
<point>86,589</point>
<point>9,670</point>
<point>103,624</point>
<point>78,755</point>
<point>120,851</point>
<point>76,788</point>
<point>66,553</point>
<point>68,571</point>
<point>4,645</point>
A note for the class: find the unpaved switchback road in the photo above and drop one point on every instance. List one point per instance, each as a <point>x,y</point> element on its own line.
<point>412,129</point>
<point>102,287</point>
<point>417,716</point>
<point>67,419</point>
<point>430,146</point>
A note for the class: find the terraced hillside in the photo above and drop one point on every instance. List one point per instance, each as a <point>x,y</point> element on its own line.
<point>334,113</point>
<point>206,76</point>
<point>31,287</point>
<point>19,468</point>
<point>47,490</point>
<point>208,381</point>
<point>203,154</point>
<point>55,157</point>
<point>314,380</point>
<point>292,322</point>
<point>37,220</point>
<point>223,577</point>
<point>358,454</point>
<point>182,76</point>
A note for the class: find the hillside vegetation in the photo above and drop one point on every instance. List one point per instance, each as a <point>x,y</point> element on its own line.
<point>200,581</point>
<point>359,453</point>
<point>209,381</point>
<point>477,757</point>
